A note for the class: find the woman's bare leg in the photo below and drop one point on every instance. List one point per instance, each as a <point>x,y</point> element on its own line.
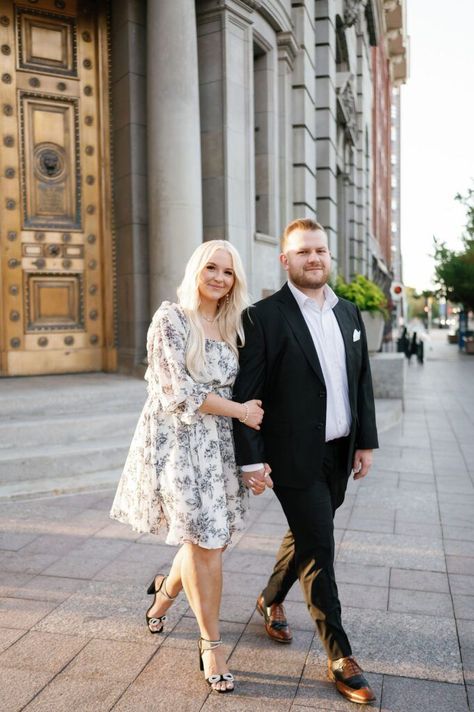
<point>173,585</point>
<point>201,575</point>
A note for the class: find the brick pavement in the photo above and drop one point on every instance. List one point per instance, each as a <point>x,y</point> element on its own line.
<point>72,587</point>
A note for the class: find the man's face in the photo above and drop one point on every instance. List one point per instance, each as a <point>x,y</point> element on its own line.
<point>307,259</point>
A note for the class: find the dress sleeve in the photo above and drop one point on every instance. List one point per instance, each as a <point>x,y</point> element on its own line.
<point>168,379</point>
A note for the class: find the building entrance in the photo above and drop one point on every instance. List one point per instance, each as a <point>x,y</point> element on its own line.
<point>55,231</point>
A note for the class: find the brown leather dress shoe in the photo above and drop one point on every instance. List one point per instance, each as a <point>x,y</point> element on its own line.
<point>276,624</point>
<point>350,680</point>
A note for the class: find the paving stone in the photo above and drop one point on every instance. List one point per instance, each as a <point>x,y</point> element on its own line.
<point>316,692</point>
<point>66,693</point>
<point>358,523</point>
<point>104,610</point>
<point>454,547</point>
<point>466,633</point>
<point>392,550</point>
<point>464,606</point>
<point>462,533</point>
<point>239,703</point>
<point>15,562</point>
<point>462,584</point>
<point>52,544</point>
<point>366,575</point>
<point>426,602</point>
<point>18,689</point>
<point>11,583</point>
<point>363,596</point>
<point>248,563</point>
<point>8,636</point>
<point>111,659</point>
<point>403,694</point>
<point>402,644</point>
<point>76,566</point>
<point>260,544</point>
<point>432,531</point>
<point>460,565</point>
<point>267,670</point>
<point>116,530</point>
<point>419,580</point>
<point>13,541</point>
<point>160,684</point>
<point>237,608</point>
<point>19,613</point>
<point>49,588</point>
<point>42,652</point>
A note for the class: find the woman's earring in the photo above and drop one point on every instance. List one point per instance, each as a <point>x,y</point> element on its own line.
<point>227,299</point>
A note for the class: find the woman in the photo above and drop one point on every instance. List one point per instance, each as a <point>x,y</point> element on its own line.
<point>181,470</point>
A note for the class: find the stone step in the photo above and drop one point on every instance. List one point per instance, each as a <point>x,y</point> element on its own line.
<point>67,429</point>
<point>47,486</point>
<point>50,396</point>
<point>54,461</point>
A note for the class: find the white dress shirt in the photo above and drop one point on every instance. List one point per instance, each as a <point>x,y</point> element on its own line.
<point>329,345</point>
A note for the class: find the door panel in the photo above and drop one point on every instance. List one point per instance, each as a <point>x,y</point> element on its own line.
<point>55,231</point>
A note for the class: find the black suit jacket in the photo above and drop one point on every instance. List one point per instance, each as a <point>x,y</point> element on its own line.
<point>279,365</point>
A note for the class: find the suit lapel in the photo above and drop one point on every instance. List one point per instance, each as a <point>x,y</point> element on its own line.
<point>346,325</point>
<point>291,311</point>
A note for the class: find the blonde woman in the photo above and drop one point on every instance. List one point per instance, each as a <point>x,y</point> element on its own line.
<point>180,471</point>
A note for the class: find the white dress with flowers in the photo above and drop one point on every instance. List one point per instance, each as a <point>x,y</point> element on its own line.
<point>180,470</point>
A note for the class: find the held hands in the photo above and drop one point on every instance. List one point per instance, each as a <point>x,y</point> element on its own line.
<point>258,480</point>
<point>252,414</point>
<point>362,463</point>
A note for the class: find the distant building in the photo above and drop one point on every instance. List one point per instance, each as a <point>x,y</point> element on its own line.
<point>133,130</point>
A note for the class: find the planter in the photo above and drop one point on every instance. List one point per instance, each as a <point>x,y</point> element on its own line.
<point>374,323</point>
<point>469,345</point>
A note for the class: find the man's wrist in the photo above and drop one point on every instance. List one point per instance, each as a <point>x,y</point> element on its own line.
<point>252,468</point>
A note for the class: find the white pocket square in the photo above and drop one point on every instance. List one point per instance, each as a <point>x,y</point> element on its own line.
<point>356,335</point>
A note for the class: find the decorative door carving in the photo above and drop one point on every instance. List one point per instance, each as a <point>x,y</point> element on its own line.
<point>55,234</point>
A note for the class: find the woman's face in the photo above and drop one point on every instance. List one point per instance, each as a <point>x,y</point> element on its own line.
<point>217,277</point>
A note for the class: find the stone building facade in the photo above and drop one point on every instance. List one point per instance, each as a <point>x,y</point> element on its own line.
<point>135,129</point>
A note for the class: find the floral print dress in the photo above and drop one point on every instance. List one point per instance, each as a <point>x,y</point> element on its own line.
<point>180,470</point>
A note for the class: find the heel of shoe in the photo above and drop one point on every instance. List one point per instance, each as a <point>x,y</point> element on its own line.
<point>151,588</point>
<point>201,664</point>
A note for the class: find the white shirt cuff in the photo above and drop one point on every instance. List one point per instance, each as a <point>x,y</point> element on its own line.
<point>252,468</point>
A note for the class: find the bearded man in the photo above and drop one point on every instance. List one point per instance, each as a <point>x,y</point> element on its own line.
<point>305,357</point>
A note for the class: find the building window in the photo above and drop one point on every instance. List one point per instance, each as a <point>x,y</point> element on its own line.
<point>264,129</point>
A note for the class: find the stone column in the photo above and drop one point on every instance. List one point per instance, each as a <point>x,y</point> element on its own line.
<point>174,153</point>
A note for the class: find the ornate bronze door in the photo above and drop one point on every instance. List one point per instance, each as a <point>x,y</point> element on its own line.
<point>55,232</point>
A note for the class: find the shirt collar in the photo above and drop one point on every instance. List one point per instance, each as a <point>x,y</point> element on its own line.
<point>330,298</point>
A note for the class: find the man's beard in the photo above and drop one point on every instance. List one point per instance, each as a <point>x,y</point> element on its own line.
<point>309,280</point>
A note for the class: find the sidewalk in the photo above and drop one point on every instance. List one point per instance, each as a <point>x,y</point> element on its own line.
<point>72,625</point>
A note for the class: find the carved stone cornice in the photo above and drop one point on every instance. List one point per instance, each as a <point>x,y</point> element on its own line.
<point>287,47</point>
<point>346,105</point>
<point>352,10</point>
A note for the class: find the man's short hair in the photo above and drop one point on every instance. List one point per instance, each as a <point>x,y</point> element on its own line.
<point>299,224</point>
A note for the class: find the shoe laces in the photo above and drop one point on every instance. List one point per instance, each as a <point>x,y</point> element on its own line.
<point>349,667</point>
<point>278,612</point>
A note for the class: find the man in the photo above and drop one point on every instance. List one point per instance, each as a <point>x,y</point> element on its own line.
<point>305,357</point>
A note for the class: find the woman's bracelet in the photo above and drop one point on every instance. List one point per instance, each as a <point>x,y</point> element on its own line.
<point>247,413</point>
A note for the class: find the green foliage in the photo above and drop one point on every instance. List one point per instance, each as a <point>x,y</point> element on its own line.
<point>363,292</point>
<point>455,270</point>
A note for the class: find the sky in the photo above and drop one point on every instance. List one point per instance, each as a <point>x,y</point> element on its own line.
<point>437,139</point>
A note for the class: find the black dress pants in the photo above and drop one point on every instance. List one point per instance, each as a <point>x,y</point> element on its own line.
<point>307,549</point>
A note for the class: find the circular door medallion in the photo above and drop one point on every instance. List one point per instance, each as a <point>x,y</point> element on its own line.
<point>49,162</point>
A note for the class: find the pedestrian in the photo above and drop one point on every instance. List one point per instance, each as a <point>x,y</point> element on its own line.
<point>181,471</point>
<point>305,357</point>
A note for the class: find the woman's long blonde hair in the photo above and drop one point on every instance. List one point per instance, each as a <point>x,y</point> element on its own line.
<point>229,314</point>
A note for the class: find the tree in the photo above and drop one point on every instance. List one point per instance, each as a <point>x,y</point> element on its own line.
<point>454,270</point>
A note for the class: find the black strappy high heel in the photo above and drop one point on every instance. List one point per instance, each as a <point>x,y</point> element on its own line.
<point>156,623</point>
<point>212,680</point>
